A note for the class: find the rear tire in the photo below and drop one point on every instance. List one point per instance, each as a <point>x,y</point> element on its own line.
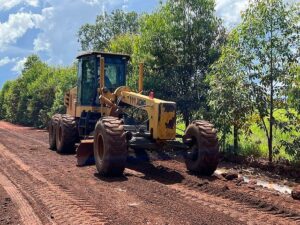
<point>52,130</point>
<point>110,147</point>
<point>203,154</point>
<point>66,134</point>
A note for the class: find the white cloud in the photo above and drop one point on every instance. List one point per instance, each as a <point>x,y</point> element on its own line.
<point>16,27</point>
<point>9,4</point>
<point>230,11</point>
<point>125,5</point>
<point>92,2</point>
<point>19,66</point>
<point>41,44</point>
<point>62,20</point>
<point>6,60</point>
<point>34,3</point>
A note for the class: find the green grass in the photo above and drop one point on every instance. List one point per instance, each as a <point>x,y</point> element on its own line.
<point>256,144</point>
<point>180,127</point>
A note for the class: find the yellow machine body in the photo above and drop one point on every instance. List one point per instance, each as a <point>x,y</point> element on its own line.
<point>161,114</point>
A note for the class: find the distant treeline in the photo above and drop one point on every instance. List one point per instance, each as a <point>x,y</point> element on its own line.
<point>36,94</point>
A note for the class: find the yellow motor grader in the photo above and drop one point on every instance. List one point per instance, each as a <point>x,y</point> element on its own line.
<point>107,118</point>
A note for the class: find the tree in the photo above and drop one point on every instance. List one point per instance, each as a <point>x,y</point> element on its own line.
<point>36,94</point>
<point>3,97</point>
<point>64,78</point>
<point>229,96</point>
<point>181,40</point>
<point>294,87</point>
<point>129,44</point>
<point>292,125</point>
<point>268,41</point>
<point>97,36</point>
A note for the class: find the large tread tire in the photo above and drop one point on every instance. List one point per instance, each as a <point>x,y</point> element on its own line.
<point>110,147</point>
<point>66,134</point>
<point>53,123</point>
<point>204,150</point>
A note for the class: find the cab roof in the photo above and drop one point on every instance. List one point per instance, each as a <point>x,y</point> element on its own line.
<point>97,53</point>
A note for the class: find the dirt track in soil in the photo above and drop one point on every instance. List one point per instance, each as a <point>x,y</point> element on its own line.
<point>43,187</point>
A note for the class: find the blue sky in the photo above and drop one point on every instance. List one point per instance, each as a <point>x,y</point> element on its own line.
<point>49,27</point>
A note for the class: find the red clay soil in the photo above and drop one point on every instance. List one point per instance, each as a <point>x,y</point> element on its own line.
<point>47,188</point>
<point>8,210</point>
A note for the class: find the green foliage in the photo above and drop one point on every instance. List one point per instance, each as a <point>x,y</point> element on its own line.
<point>262,51</point>
<point>3,97</point>
<point>97,36</point>
<point>128,44</point>
<point>37,94</point>
<point>268,40</point>
<point>294,87</point>
<point>253,142</point>
<point>229,97</point>
<point>180,41</point>
<point>290,127</point>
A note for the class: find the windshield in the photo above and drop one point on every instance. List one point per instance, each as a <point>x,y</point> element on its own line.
<point>114,76</point>
<point>114,72</point>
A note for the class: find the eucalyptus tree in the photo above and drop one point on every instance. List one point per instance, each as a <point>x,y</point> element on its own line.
<point>269,43</point>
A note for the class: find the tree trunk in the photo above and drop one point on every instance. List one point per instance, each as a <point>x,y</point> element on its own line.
<point>186,121</point>
<point>235,139</point>
<point>270,139</point>
<point>224,142</point>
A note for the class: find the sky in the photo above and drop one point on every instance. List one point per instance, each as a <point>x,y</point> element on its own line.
<point>49,28</point>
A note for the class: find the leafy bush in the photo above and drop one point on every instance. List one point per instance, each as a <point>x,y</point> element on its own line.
<point>36,94</point>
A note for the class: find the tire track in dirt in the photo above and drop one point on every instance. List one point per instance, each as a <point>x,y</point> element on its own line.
<point>28,217</point>
<point>247,199</point>
<point>240,212</point>
<point>155,198</point>
<point>235,210</point>
<point>235,204</point>
<point>243,207</point>
<point>259,201</point>
<point>63,206</point>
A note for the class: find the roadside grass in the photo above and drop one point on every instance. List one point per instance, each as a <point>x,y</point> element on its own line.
<point>180,128</point>
<point>254,143</point>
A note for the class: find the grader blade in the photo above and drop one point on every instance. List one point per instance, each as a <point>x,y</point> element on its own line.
<point>85,153</point>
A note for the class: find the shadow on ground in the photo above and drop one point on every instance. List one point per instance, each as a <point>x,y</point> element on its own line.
<point>111,179</point>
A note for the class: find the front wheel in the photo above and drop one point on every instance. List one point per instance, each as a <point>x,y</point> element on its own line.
<point>203,154</point>
<point>110,148</point>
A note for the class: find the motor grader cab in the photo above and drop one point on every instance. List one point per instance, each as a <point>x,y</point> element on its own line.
<point>106,118</point>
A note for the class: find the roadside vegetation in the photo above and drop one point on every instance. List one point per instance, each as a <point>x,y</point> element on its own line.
<point>36,94</point>
<point>245,80</point>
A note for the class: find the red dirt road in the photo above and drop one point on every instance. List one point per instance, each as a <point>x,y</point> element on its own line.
<point>44,187</point>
